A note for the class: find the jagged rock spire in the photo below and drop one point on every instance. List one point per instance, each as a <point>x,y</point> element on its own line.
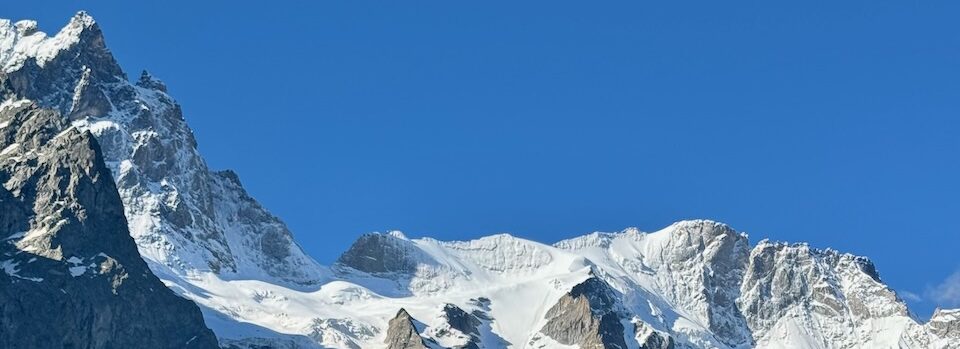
<point>589,316</point>
<point>402,333</point>
<point>148,81</point>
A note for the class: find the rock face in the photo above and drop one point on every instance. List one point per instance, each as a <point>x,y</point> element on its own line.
<point>460,320</point>
<point>465,323</point>
<point>70,120</point>
<point>708,258</point>
<point>72,275</point>
<point>184,217</point>
<point>799,284</point>
<point>402,334</point>
<point>381,254</point>
<point>945,324</point>
<point>649,338</point>
<point>462,330</point>
<point>588,317</point>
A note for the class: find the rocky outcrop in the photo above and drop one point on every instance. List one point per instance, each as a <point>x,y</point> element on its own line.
<point>838,291</point>
<point>341,333</point>
<point>186,218</point>
<point>465,327</point>
<point>72,276</point>
<point>381,254</point>
<point>402,333</point>
<point>459,323</point>
<point>650,338</point>
<point>694,284</point>
<point>945,324</point>
<point>587,316</point>
<point>69,72</point>
<point>693,265</point>
<point>708,258</point>
<point>460,320</point>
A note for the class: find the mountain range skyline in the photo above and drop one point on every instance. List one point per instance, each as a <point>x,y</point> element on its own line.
<point>200,231</point>
<point>866,211</point>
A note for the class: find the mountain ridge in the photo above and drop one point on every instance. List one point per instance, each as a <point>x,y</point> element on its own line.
<point>693,284</point>
<point>72,276</point>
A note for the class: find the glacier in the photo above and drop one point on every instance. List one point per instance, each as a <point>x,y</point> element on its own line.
<point>693,284</point>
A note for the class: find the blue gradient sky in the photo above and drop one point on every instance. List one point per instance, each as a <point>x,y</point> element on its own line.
<point>834,123</point>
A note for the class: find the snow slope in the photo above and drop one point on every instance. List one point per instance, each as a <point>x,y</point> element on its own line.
<point>533,277</point>
<point>693,284</point>
<point>668,280</point>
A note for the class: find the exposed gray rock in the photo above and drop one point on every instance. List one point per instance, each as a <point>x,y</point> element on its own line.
<point>466,328</point>
<point>197,220</point>
<point>147,81</point>
<point>339,333</point>
<point>72,275</point>
<point>945,324</point>
<point>381,253</point>
<point>206,221</point>
<point>482,303</point>
<point>402,334</point>
<point>460,320</point>
<point>784,280</point>
<point>72,83</point>
<point>466,323</point>
<point>649,338</point>
<point>657,341</point>
<point>587,316</point>
<point>710,258</point>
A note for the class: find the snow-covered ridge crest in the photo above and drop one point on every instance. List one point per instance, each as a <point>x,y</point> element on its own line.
<point>693,284</point>
<point>23,40</point>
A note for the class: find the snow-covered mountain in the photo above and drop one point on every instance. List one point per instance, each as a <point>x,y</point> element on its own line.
<point>72,275</point>
<point>183,215</point>
<point>694,284</point>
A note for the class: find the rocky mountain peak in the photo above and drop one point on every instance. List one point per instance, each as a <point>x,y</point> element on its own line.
<point>402,333</point>
<point>784,280</point>
<point>184,217</point>
<point>148,81</point>
<point>82,20</point>
<point>68,72</point>
<point>81,29</point>
<point>382,253</point>
<point>80,41</point>
<point>588,316</point>
<point>72,276</point>
<point>72,126</point>
<point>702,230</point>
<point>945,323</point>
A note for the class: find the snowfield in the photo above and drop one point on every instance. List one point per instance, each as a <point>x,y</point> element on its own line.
<point>521,280</point>
<point>694,284</point>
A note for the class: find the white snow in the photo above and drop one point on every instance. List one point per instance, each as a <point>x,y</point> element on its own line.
<point>521,278</point>
<point>246,294</point>
<point>9,266</point>
<point>15,236</point>
<point>520,292</point>
<point>22,40</point>
<point>10,148</point>
<point>77,269</point>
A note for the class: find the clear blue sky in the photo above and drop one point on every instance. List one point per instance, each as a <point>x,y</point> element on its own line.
<point>829,122</point>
